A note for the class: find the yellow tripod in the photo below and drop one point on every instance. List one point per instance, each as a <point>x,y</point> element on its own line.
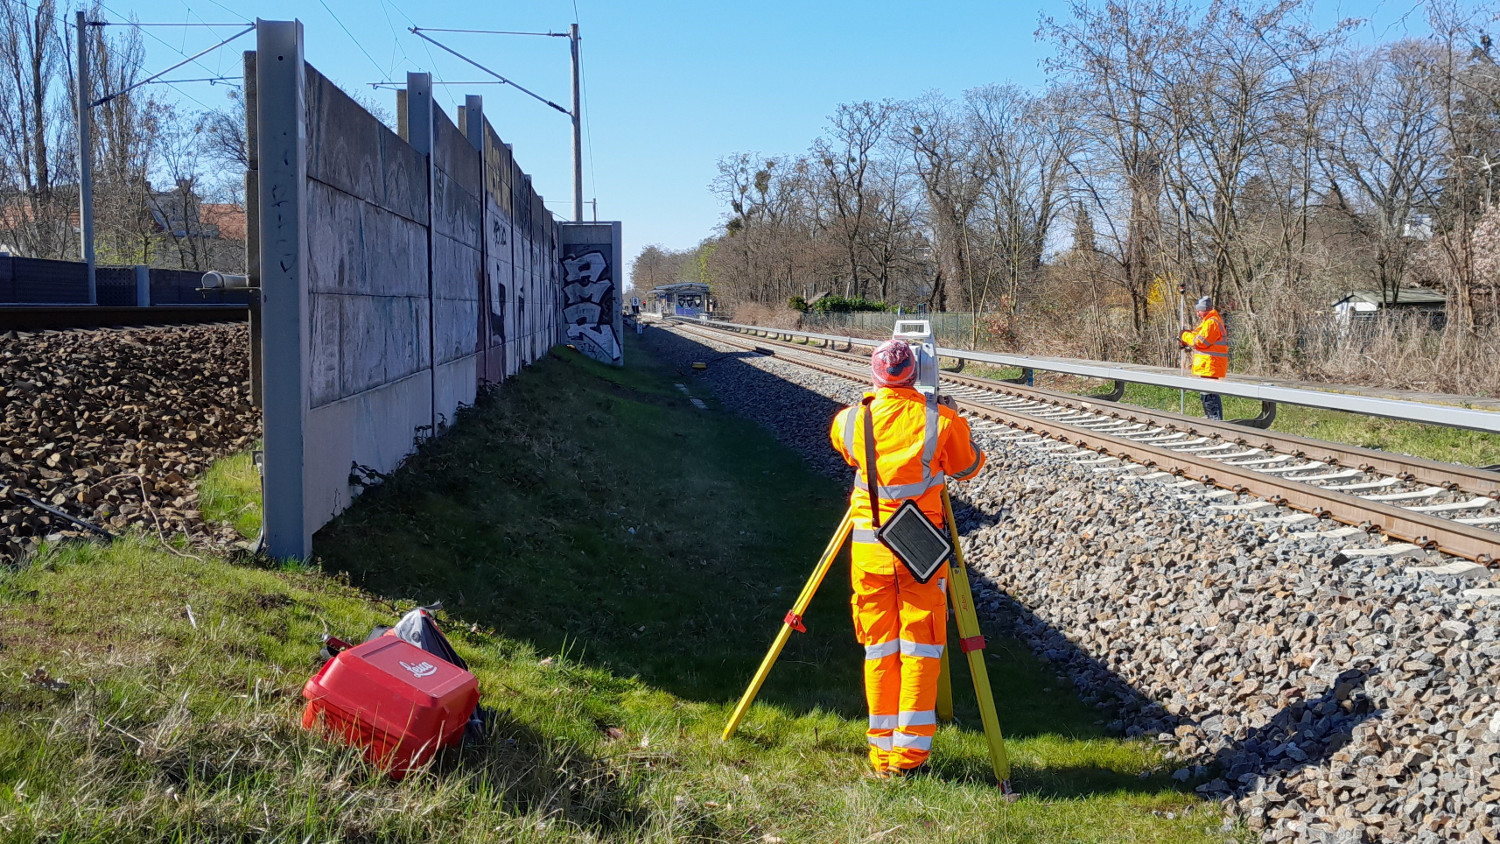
<point>971,642</point>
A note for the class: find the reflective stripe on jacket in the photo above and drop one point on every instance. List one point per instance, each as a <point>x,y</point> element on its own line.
<point>919,444</point>
<point>1210,345</point>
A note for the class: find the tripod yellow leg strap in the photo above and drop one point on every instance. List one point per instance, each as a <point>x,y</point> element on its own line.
<point>792,622</point>
<point>971,642</point>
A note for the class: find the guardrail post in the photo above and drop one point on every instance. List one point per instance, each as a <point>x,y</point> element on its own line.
<point>1263,421</point>
<point>281,133</point>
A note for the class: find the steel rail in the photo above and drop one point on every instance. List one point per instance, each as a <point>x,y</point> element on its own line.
<point>1413,411</point>
<point>1450,476</point>
<point>1430,532</point>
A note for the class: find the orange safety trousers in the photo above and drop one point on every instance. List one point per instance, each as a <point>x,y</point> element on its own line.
<point>903,625</point>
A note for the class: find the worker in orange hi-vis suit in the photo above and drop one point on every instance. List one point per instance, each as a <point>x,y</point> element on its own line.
<point>920,442</point>
<point>1210,346</point>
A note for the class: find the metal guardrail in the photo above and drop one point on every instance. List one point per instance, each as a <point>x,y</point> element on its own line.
<point>1412,411</point>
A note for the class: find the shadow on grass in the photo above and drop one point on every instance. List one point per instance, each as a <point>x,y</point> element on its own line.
<point>597,511</point>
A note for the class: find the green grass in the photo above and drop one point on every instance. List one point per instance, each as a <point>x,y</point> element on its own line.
<point>613,564</point>
<point>1433,442</point>
<point>230,492</point>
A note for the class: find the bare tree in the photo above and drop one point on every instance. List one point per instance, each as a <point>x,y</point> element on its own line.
<point>1469,121</point>
<point>1116,59</point>
<point>953,173</point>
<point>33,109</point>
<point>1026,140</point>
<point>846,156</point>
<point>1382,151</point>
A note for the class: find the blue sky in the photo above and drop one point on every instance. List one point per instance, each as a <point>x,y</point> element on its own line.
<point>670,87</point>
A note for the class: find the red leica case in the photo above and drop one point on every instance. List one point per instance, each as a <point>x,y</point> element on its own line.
<point>397,701</point>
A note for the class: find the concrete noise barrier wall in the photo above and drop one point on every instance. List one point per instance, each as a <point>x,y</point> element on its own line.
<point>398,275</point>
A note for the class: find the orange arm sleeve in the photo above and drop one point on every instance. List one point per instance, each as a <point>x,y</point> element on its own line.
<point>836,435</point>
<point>961,459</point>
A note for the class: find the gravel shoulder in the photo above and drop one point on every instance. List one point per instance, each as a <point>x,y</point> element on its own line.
<point>1320,697</point>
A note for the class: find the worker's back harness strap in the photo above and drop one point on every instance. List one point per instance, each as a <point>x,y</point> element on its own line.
<point>921,547</point>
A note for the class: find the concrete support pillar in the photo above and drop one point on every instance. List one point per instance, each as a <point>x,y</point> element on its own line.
<point>142,286</point>
<point>419,133</point>
<point>473,125</point>
<point>281,156</point>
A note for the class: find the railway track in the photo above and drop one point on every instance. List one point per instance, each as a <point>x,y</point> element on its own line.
<point>64,317</point>
<point>1295,482</point>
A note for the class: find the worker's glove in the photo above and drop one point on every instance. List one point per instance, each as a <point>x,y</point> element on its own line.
<point>1181,343</point>
<point>947,401</point>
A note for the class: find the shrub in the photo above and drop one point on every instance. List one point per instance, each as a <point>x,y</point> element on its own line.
<point>846,304</point>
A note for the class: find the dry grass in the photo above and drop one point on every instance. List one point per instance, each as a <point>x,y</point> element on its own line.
<point>754,313</point>
<point>1392,351</point>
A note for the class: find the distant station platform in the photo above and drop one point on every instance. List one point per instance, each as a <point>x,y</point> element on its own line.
<point>687,299</point>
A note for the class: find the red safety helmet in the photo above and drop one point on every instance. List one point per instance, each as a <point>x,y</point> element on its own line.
<point>893,364</point>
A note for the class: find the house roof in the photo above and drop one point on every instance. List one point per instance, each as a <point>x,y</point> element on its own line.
<point>229,218</point>
<point>1404,297</point>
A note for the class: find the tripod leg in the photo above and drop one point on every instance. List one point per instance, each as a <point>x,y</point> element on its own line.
<point>792,622</point>
<point>971,642</point>
<point>944,706</point>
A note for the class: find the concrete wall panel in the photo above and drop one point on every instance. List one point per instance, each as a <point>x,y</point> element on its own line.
<point>374,429</point>
<point>356,247</point>
<point>455,209</point>
<point>455,387</point>
<point>349,149</point>
<point>326,353</point>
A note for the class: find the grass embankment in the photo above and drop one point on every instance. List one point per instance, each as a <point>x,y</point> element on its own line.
<point>613,562</point>
<point>1433,442</point>
<point>230,492</point>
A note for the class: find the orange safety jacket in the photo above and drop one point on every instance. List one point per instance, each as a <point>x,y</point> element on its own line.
<point>1210,345</point>
<point>919,444</point>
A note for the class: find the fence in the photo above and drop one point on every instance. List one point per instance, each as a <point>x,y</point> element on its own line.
<point>39,281</point>
<point>399,274</point>
<point>952,329</point>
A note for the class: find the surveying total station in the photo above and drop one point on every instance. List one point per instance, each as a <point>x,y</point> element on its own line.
<point>922,548</point>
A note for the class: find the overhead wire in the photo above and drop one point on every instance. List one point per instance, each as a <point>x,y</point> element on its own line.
<point>212,80</point>
<point>168,45</point>
<point>155,76</point>
<point>417,31</point>
<point>218,57</point>
<point>395,40</point>
<point>430,56</point>
<point>350,34</point>
<point>391,83</point>
<point>159,23</point>
<point>224,7</point>
<point>493,32</point>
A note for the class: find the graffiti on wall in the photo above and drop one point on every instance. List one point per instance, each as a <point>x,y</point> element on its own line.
<point>589,307</point>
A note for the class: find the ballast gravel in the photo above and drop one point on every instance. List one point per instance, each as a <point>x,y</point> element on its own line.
<point>1321,697</point>
<point>113,426</point>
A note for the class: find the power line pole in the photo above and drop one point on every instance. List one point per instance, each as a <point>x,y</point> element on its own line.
<point>86,157</point>
<point>577,131</point>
